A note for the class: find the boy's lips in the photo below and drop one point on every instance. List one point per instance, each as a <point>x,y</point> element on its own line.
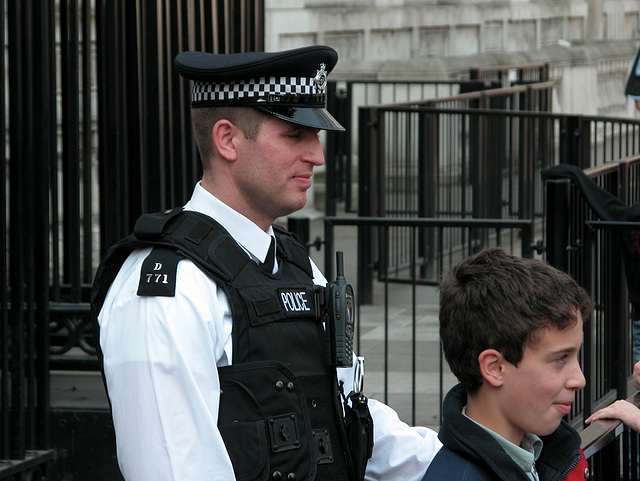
<point>564,407</point>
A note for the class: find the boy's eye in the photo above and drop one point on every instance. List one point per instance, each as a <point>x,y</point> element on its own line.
<point>563,359</point>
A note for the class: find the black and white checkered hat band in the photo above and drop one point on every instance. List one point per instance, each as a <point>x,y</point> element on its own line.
<point>255,90</point>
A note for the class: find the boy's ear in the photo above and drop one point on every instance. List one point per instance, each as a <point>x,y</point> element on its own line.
<point>491,364</point>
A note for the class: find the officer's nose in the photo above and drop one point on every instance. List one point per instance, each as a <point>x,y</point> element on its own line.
<point>313,151</point>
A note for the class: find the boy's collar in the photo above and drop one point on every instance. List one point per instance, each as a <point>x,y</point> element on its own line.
<point>525,455</point>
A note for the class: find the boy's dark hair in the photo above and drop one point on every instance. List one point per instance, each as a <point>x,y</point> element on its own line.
<point>495,300</point>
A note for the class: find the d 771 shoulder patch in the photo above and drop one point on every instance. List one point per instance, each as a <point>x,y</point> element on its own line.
<point>158,273</point>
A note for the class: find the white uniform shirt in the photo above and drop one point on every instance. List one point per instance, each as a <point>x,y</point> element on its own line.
<point>160,358</point>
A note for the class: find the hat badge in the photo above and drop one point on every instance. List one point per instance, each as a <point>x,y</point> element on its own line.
<point>321,78</point>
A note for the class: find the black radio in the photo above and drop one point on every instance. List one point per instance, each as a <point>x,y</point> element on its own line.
<point>339,310</point>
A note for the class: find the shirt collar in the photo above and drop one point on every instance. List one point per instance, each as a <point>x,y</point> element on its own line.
<point>524,455</point>
<point>251,238</point>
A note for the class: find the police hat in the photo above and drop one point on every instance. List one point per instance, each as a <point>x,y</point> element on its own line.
<point>289,85</point>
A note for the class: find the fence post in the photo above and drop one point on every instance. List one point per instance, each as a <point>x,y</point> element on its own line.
<point>557,222</point>
<point>299,226</point>
<point>622,334</point>
<point>332,166</point>
<point>338,151</point>
<point>428,148</point>
<point>368,197</point>
<point>574,141</point>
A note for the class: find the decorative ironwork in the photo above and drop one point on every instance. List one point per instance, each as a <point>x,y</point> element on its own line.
<point>69,330</point>
<point>32,468</point>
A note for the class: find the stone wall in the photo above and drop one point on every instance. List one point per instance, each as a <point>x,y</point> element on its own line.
<point>588,44</point>
<point>405,29</point>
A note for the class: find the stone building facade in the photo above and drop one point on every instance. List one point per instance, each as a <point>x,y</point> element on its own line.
<point>589,44</point>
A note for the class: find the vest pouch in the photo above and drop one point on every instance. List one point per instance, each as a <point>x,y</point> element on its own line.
<point>262,406</point>
<point>246,444</point>
<point>359,427</point>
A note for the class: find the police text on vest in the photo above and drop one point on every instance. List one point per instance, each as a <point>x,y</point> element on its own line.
<point>294,301</point>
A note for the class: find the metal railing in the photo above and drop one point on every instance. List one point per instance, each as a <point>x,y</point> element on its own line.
<point>464,151</point>
<point>591,250</point>
<point>95,133</point>
<point>508,75</point>
<point>55,223</point>
<point>398,331</point>
<point>346,97</point>
<point>471,163</point>
<point>611,449</point>
<point>535,97</point>
<point>400,310</point>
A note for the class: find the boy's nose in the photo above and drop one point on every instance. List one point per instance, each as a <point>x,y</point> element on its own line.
<point>577,380</point>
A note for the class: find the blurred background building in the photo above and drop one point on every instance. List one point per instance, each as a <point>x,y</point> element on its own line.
<point>589,44</point>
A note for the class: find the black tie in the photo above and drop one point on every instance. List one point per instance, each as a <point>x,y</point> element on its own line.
<point>267,265</point>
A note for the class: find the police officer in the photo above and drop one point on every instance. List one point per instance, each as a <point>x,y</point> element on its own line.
<point>215,359</point>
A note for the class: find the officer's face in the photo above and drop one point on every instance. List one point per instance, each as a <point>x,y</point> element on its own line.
<point>274,169</point>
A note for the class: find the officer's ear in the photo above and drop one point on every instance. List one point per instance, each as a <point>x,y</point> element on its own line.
<point>225,135</point>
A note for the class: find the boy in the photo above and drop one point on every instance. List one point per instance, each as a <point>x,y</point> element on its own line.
<point>511,329</point>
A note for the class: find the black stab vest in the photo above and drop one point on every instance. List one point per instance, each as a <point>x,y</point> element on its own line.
<point>280,411</point>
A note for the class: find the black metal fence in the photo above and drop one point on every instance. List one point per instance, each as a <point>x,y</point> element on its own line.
<point>470,163</point>
<point>346,97</point>
<point>482,162</point>
<point>24,291</point>
<point>402,358</point>
<point>487,163</point>
<point>409,351</point>
<point>508,75</point>
<point>608,446</point>
<point>591,248</point>
<point>97,133</point>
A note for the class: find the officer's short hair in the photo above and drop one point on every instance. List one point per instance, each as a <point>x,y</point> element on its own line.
<point>495,300</point>
<point>247,119</point>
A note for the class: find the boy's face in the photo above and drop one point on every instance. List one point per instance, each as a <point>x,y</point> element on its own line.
<point>540,390</point>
